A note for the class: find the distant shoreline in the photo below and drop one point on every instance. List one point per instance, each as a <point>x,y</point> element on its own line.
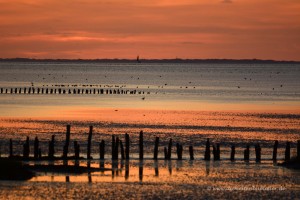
<point>178,60</point>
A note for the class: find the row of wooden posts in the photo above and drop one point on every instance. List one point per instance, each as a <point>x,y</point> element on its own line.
<point>32,90</point>
<point>118,144</point>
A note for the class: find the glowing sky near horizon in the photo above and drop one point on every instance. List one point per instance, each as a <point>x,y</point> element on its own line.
<point>236,29</point>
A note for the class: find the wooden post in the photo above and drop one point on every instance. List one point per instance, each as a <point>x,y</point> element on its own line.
<point>102,149</point>
<point>89,143</point>
<point>36,147</point>
<point>26,148</point>
<point>258,152</point>
<point>117,149</point>
<point>298,150</point>
<point>122,150</point>
<point>218,152</point>
<point>207,150</point>
<point>141,146</point>
<point>191,150</point>
<point>40,153</point>
<point>287,151</point>
<point>214,151</point>
<point>247,153</point>
<point>51,148</point>
<point>166,153</point>
<point>232,153</point>
<point>156,148</point>
<point>127,141</point>
<point>170,149</point>
<point>11,148</point>
<point>179,151</point>
<point>113,142</point>
<point>275,151</point>
<point>67,142</point>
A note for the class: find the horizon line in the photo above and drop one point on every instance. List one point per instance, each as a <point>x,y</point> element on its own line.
<point>153,59</point>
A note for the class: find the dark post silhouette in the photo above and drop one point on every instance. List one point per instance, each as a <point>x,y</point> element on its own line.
<point>166,153</point>
<point>117,148</point>
<point>51,148</point>
<point>275,151</point>
<point>36,147</point>
<point>247,153</point>
<point>258,152</point>
<point>127,142</point>
<point>122,150</point>
<point>113,142</point>
<point>232,153</point>
<point>89,143</point>
<point>169,155</point>
<point>179,151</point>
<point>214,151</point>
<point>102,149</point>
<point>191,150</point>
<point>218,152</point>
<point>207,150</point>
<point>298,150</point>
<point>67,142</point>
<point>156,148</point>
<point>141,146</point>
<point>11,148</point>
<point>26,148</point>
<point>287,151</point>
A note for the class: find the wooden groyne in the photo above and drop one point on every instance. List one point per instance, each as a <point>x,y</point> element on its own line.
<point>73,91</point>
<point>119,151</point>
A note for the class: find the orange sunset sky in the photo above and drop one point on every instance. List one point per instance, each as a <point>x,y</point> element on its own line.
<point>262,29</point>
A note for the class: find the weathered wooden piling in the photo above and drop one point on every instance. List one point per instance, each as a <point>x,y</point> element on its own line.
<point>117,148</point>
<point>141,146</point>
<point>11,154</point>
<point>191,150</point>
<point>51,147</point>
<point>247,153</point>
<point>77,150</point>
<point>258,152</point>
<point>67,142</point>
<point>179,151</point>
<point>113,142</point>
<point>218,151</point>
<point>156,148</point>
<point>275,151</point>
<point>214,151</point>
<point>207,150</point>
<point>169,155</point>
<point>287,151</point>
<point>26,148</point>
<point>166,153</point>
<point>36,147</point>
<point>89,143</point>
<point>298,150</point>
<point>232,154</point>
<point>127,142</point>
<point>122,150</point>
<point>102,149</point>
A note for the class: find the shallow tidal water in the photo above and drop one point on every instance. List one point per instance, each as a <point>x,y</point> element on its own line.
<point>163,180</point>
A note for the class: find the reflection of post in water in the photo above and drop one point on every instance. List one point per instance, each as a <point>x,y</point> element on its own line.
<point>101,164</point>
<point>141,168</point>
<point>178,164</point>
<point>114,170</point>
<point>89,172</point>
<point>126,169</point>
<point>67,179</point>
<point>170,166</point>
<point>156,168</point>
<point>207,167</point>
